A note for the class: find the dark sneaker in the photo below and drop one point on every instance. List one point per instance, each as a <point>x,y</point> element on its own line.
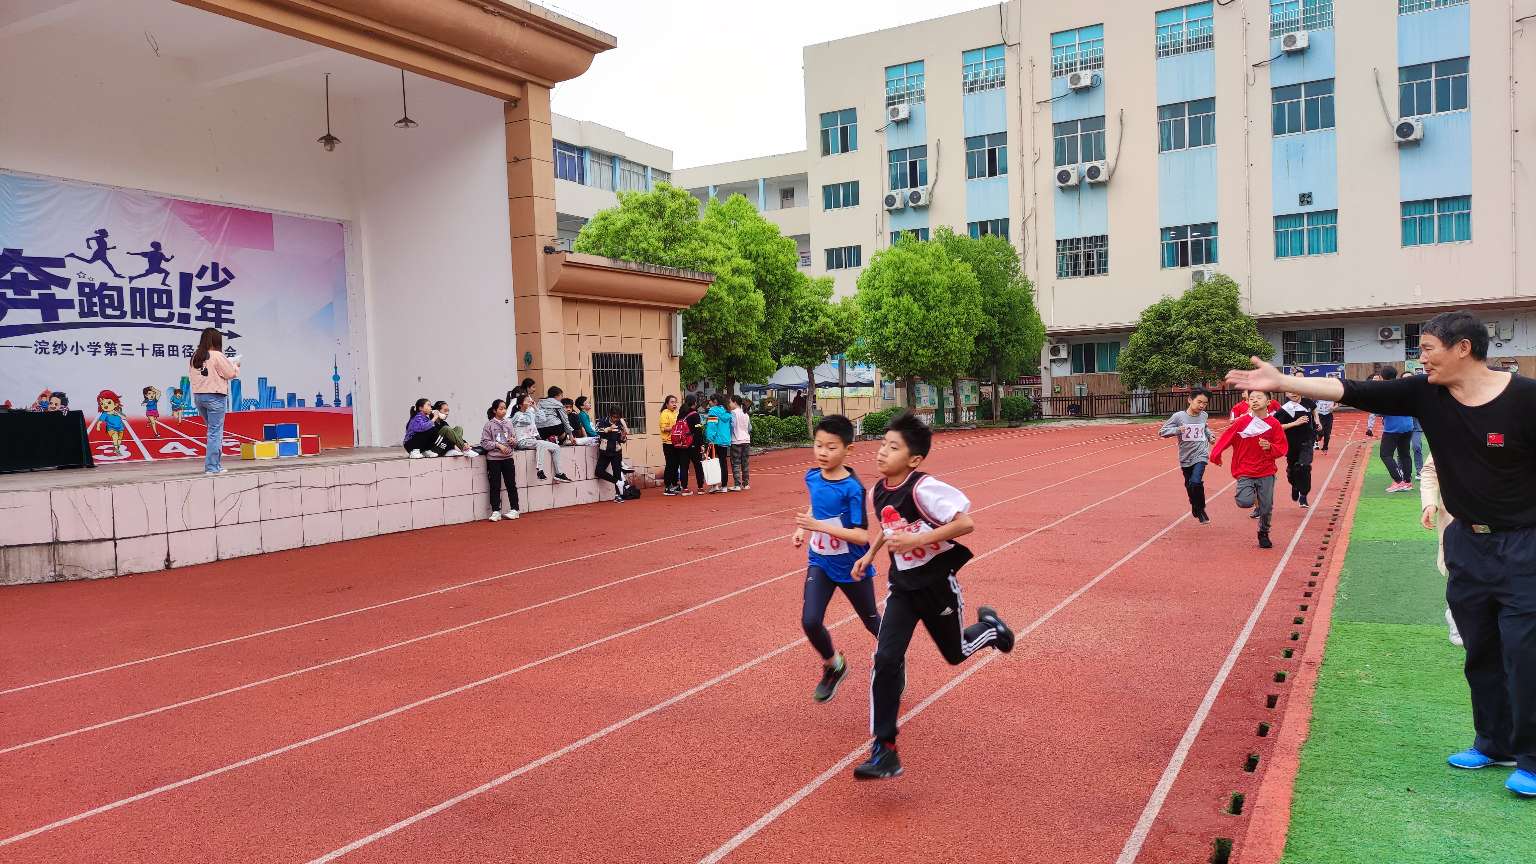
<point>1254,514</point>
<point>988,615</point>
<point>1264,541</point>
<point>1294,494</point>
<point>831,676</point>
<point>1204,519</point>
<point>882,763</point>
<point>561,478</point>
<point>1303,501</point>
<point>542,475</point>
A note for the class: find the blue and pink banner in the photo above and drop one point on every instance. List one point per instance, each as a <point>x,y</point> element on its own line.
<point>104,292</point>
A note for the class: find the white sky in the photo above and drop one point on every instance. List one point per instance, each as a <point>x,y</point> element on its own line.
<point>717,80</point>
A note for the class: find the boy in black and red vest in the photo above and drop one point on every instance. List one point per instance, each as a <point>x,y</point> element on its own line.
<point>920,517</point>
<point>1256,441</point>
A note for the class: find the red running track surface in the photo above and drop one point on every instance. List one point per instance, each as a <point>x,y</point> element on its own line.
<point>629,683</point>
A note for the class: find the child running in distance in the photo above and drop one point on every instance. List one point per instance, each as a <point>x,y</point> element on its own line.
<point>1256,443</point>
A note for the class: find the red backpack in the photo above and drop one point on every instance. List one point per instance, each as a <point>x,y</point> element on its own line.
<point>682,433</point>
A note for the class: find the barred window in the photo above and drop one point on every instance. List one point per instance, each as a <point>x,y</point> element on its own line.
<point>1082,256</point>
<point>1290,16</point>
<point>1406,7</point>
<point>1325,345</point>
<point>904,84</point>
<point>618,380</point>
<point>983,69</point>
<point>1185,30</point>
<point>1077,50</point>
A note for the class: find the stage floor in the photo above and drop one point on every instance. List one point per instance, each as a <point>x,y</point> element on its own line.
<point>184,469</point>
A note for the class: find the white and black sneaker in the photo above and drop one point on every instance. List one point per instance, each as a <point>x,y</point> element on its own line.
<point>988,615</point>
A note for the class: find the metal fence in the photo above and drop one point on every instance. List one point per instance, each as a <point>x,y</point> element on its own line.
<point>1132,404</point>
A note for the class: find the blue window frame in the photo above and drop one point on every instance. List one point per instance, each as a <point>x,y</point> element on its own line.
<point>988,228</point>
<point>1185,125</point>
<point>1437,220</point>
<point>844,257</point>
<point>1189,245</point>
<point>986,156</point>
<point>1299,234</point>
<point>1302,107</point>
<point>839,131</point>
<point>909,167</point>
<point>904,84</point>
<point>1077,141</point>
<point>1082,256</point>
<point>983,69</point>
<point>1185,30</point>
<point>835,196</point>
<point>1289,16</point>
<point>1077,50</point>
<point>568,163</point>
<point>1092,357</point>
<point>914,233</point>
<point>1432,88</point>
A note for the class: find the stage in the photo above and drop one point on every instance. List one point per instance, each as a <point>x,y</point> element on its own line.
<point>117,520</point>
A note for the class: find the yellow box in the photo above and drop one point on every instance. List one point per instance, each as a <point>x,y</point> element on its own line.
<point>258,450</point>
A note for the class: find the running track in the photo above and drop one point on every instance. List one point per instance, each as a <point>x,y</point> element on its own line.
<point>629,683</point>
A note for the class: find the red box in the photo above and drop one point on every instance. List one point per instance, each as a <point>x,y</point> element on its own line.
<point>309,445</point>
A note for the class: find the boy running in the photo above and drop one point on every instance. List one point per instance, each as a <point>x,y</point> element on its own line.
<point>1192,428</point>
<point>839,536</point>
<point>920,517</point>
<point>1256,443</point>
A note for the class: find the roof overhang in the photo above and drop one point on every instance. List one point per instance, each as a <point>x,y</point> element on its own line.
<point>609,280</point>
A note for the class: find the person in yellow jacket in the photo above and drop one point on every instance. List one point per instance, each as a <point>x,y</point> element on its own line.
<point>671,478</point>
<point>1433,517</point>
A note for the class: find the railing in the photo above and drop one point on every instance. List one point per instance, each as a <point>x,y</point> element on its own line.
<point>1132,404</point>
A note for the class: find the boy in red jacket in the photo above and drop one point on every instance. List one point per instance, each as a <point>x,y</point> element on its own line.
<point>1256,442</point>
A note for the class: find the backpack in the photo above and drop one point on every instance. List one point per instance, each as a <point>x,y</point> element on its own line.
<point>682,435</point>
<point>631,492</point>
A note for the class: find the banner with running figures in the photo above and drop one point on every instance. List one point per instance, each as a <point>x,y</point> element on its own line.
<point>104,293</point>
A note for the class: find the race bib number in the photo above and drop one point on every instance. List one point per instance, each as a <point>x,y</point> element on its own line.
<point>823,543</point>
<point>1255,428</point>
<point>920,555</point>
<point>1192,432</point>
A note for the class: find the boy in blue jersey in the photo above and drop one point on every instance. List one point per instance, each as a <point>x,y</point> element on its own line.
<point>838,537</point>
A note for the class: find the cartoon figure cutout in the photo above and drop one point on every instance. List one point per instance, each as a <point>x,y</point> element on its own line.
<point>109,406</point>
<point>152,396</point>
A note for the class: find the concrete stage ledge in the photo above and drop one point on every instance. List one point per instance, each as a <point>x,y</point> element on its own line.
<point>118,520</point>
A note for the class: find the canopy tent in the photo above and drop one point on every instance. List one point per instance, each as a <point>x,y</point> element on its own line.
<point>793,378</point>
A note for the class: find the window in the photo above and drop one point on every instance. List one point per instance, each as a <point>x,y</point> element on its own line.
<point>986,155</point>
<point>1185,30</point>
<point>983,69</point>
<point>631,175</point>
<point>914,233</point>
<point>1411,341</point>
<point>1189,245</point>
<point>1302,107</point>
<point>786,197</point>
<point>909,167</point>
<point>1432,88</point>
<point>839,195</point>
<point>1082,256</point>
<point>659,176</point>
<point>619,380</point>
<point>1307,234</point>
<point>839,132</point>
<point>1325,345</point>
<point>1079,141</point>
<point>568,162</point>
<point>844,257</point>
<point>1185,125</point>
<point>988,228</point>
<point>1077,50</point>
<point>1437,220</point>
<point>1289,16</point>
<point>904,84</point>
<point>1405,7</point>
<point>602,170</point>
<point>1090,357</point>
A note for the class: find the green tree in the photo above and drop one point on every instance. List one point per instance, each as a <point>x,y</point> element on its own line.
<point>1193,338</point>
<point>919,312</point>
<point>1011,333</point>
<point>817,329</point>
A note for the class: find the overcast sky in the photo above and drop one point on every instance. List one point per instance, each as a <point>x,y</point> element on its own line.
<point>715,81</point>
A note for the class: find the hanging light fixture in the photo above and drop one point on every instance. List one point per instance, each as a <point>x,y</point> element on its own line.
<point>328,140</point>
<point>405,121</point>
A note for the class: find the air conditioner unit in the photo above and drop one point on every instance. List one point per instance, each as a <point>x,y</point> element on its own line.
<point>1060,350</point>
<point>895,201</point>
<point>899,113</point>
<point>1294,43</point>
<point>1066,176</point>
<point>919,197</point>
<point>1408,130</point>
<point>1080,80</point>
<point>1392,333</point>
<point>1201,274</point>
<point>1095,172</point>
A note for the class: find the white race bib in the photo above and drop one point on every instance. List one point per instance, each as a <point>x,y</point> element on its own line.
<point>922,554</point>
<point>1192,432</point>
<point>823,543</point>
<point>1255,428</point>
<point>1293,407</point>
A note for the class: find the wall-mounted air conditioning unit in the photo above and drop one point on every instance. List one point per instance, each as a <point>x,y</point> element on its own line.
<point>1066,176</point>
<point>1294,43</point>
<point>1095,172</point>
<point>1408,130</point>
<point>895,201</point>
<point>919,197</point>
<point>1201,274</point>
<point>1060,350</point>
<point>1081,80</point>
<point>898,113</point>
<point>1390,333</point>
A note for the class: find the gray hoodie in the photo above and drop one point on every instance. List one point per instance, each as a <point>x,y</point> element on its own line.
<point>551,413</point>
<point>1194,434</point>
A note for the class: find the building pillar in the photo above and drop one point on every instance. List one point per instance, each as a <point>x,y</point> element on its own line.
<point>614,166</point>
<point>586,167</point>
<point>531,202</point>
<point>648,185</point>
<point>711,194</point>
<point>762,194</point>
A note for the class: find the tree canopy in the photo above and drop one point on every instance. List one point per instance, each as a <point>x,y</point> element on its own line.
<point>1192,338</point>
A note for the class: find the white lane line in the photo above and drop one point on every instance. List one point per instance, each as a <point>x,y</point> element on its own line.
<point>465,626</point>
<point>261,757</point>
<point>1154,806</point>
<point>853,756</point>
<point>576,745</point>
<point>412,597</point>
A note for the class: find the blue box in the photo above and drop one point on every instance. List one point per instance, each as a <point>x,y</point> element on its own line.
<point>287,447</point>
<point>269,432</point>
<point>284,430</point>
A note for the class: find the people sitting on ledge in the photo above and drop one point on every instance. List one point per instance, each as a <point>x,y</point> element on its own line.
<point>454,435</point>
<point>553,422</point>
<point>422,439</point>
<point>526,426</point>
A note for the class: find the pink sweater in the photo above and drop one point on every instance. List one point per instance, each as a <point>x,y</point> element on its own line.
<point>221,370</point>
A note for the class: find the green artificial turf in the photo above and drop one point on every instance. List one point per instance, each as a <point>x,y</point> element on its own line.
<point>1391,704</point>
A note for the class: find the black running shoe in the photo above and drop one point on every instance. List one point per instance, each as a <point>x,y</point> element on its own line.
<point>1254,514</point>
<point>1302,501</point>
<point>1204,519</point>
<point>1264,540</point>
<point>561,478</point>
<point>542,475</point>
<point>882,763</point>
<point>831,676</point>
<point>988,615</point>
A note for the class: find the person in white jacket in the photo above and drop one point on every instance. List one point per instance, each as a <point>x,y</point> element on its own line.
<point>1433,517</point>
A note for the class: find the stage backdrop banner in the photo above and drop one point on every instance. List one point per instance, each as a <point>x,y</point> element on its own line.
<point>104,293</point>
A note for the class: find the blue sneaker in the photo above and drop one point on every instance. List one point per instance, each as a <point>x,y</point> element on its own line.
<point>1473,759</point>
<point>1522,783</point>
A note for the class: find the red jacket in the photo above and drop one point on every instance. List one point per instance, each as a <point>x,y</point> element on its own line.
<point>1241,409</point>
<point>1248,458</point>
